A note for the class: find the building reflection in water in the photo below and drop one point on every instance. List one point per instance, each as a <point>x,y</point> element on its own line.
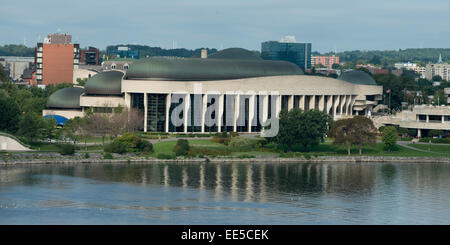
<point>249,182</point>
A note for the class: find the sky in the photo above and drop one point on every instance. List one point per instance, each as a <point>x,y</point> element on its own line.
<point>328,24</point>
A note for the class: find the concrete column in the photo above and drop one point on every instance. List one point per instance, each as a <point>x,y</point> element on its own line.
<point>442,117</point>
<point>329,104</point>
<point>342,98</point>
<point>251,112</point>
<point>428,118</point>
<point>336,100</point>
<point>220,113</point>
<point>277,113</point>
<point>312,102</point>
<point>145,111</point>
<point>321,102</point>
<point>265,110</point>
<point>187,105</point>
<point>168,103</point>
<point>290,102</point>
<point>352,102</point>
<point>236,111</point>
<point>127,100</point>
<point>419,133</point>
<point>204,103</point>
<point>301,102</point>
<point>349,102</point>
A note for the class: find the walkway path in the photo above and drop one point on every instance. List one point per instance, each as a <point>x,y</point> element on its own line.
<point>405,144</point>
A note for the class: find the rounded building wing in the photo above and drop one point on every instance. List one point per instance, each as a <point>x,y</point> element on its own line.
<point>357,77</point>
<point>191,69</point>
<point>66,98</point>
<point>105,83</point>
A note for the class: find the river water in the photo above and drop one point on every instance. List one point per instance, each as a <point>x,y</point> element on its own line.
<point>227,193</point>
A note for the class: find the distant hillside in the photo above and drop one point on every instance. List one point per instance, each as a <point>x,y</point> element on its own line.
<point>16,50</point>
<point>389,57</point>
<point>145,51</point>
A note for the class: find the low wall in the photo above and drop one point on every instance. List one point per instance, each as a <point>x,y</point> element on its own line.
<point>320,159</point>
<point>10,144</point>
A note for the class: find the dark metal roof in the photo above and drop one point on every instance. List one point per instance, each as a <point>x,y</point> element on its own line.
<point>357,77</point>
<point>235,53</point>
<point>106,83</point>
<point>66,98</point>
<point>194,69</point>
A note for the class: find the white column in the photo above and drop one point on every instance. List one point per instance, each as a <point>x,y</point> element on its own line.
<point>204,103</point>
<point>236,111</point>
<point>336,99</point>
<point>128,100</point>
<point>290,102</point>
<point>348,103</point>
<point>329,104</point>
<point>301,102</point>
<point>265,110</point>
<point>145,111</point>
<point>419,133</point>
<point>251,111</point>
<point>277,113</point>
<point>312,102</point>
<point>220,113</point>
<point>187,104</point>
<point>352,102</point>
<point>168,103</point>
<point>321,102</point>
<point>342,104</point>
<point>428,118</point>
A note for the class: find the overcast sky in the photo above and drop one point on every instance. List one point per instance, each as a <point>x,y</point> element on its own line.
<point>327,24</point>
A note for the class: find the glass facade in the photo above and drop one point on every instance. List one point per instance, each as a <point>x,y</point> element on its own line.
<point>297,53</point>
<point>156,112</point>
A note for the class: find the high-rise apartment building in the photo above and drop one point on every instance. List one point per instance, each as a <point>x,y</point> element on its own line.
<point>439,69</point>
<point>90,56</point>
<point>55,59</point>
<point>288,49</point>
<point>326,61</point>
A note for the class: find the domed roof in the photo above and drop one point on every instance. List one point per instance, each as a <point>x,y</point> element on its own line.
<point>235,53</point>
<point>357,77</point>
<point>194,69</point>
<point>105,83</point>
<point>66,98</point>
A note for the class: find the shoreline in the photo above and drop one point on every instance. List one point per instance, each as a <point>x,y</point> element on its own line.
<point>319,159</point>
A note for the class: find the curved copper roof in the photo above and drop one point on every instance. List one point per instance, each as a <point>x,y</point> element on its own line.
<point>105,83</point>
<point>66,98</point>
<point>357,77</point>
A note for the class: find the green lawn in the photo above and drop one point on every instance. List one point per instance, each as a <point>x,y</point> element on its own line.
<point>444,149</point>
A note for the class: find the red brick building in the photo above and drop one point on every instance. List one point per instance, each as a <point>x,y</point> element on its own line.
<point>55,61</point>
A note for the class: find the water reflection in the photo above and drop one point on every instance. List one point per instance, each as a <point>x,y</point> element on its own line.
<point>242,181</point>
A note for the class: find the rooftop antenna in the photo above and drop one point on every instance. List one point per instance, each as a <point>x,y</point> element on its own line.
<point>39,38</point>
<point>24,41</point>
<point>221,46</point>
<point>58,30</point>
<point>335,52</point>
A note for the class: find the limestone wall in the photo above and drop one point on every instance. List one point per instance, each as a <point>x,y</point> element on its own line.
<point>10,144</point>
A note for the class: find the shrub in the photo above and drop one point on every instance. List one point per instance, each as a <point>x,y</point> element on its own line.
<point>165,156</point>
<point>67,149</point>
<point>390,138</point>
<point>435,140</point>
<point>435,132</point>
<point>108,156</point>
<point>221,140</point>
<point>86,155</point>
<point>129,143</point>
<point>246,156</point>
<point>240,142</point>
<point>181,148</point>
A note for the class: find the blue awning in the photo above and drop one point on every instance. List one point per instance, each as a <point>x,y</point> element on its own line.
<point>60,120</point>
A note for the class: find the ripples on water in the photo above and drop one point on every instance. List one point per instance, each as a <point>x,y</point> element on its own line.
<point>228,193</point>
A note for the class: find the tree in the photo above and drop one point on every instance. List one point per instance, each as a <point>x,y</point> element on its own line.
<point>358,131</point>
<point>82,81</point>
<point>31,126</point>
<point>302,130</point>
<point>390,138</point>
<point>436,78</point>
<point>181,148</point>
<point>9,113</point>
